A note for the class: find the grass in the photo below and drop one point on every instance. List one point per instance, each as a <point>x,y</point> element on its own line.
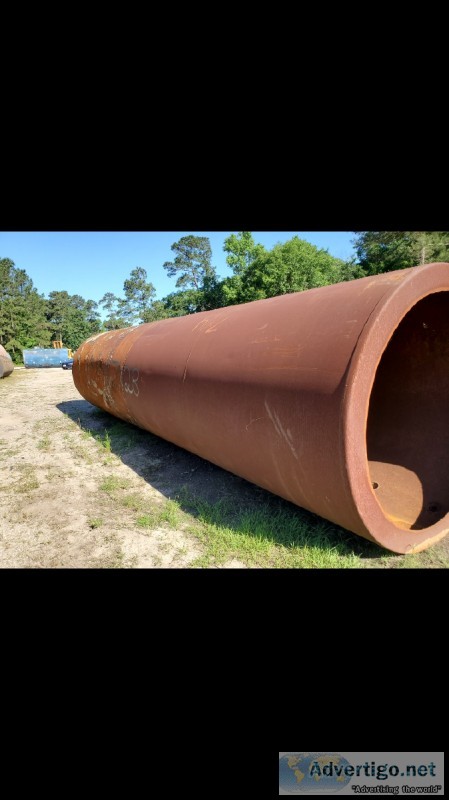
<point>30,484</point>
<point>116,437</point>
<point>252,527</point>
<point>108,461</point>
<point>123,436</point>
<point>134,501</point>
<point>28,480</point>
<point>119,560</point>
<point>44,443</point>
<point>170,514</point>
<point>147,521</point>
<point>81,452</point>
<point>113,482</point>
<point>275,535</point>
<point>95,523</point>
<point>102,438</point>
<point>8,453</point>
<point>266,537</point>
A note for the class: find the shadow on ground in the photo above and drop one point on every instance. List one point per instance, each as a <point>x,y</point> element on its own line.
<point>197,484</point>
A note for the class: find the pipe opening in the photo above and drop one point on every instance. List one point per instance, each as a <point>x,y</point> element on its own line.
<point>408,418</point>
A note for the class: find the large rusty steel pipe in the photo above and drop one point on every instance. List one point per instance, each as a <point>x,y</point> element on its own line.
<point>6,363</point>
<point>336,399</point>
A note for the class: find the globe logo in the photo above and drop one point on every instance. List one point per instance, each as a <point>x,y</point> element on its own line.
<point>313,773</point>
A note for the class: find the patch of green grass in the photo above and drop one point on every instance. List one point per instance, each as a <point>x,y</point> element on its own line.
<point>102,438</point>
<point>9,453</point>
<point>44,444</point>
<point>133,501</point>
<point>123,436</point>
<point>108,460</point>
<point>112,483</point>
<point>28,482</point>
<point>147,521</point>
<point>170,514</point>
<point>95,523</point>
<point>29,485</point>
<point>269,536</point>
<point>114,437</point>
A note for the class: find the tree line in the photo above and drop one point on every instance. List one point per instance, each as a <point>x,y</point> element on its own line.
<point>28,319</point>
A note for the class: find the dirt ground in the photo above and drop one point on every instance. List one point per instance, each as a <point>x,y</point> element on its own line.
<point>58,504</point>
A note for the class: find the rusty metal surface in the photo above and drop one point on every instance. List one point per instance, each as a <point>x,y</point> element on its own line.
<point>6,363</point>
<point>335,399</point>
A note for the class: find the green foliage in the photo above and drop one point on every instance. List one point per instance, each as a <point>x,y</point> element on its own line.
<point>428,246</point>
<point>114,482</point>
<point>169,513</point>
<point>192,263</point>
<point>293,266</point>
<point>23,320</point>
<point>242,251</point>
<point>184,302</point>
<point>157,310</point>
<point>72,318</point>
<point>197,280</point>
<point>136,306</point>
<point>229,292</point>
<point>383,251</point>
<point>351,270</point>
<point>138,294</point>
<point>113,305</point>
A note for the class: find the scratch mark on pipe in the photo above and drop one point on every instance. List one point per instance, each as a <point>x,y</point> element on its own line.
<point>185,368</point>
<point>251,422</point>
<point>286,435</point>
<point>206,323</point>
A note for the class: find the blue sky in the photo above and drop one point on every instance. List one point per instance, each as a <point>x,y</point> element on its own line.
<point>93,263</point>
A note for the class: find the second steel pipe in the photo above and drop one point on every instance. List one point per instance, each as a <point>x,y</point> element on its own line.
<point>336,399</point>
<point>6,363</point>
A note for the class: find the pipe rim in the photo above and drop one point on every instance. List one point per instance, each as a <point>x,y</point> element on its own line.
<point>420,282</point>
